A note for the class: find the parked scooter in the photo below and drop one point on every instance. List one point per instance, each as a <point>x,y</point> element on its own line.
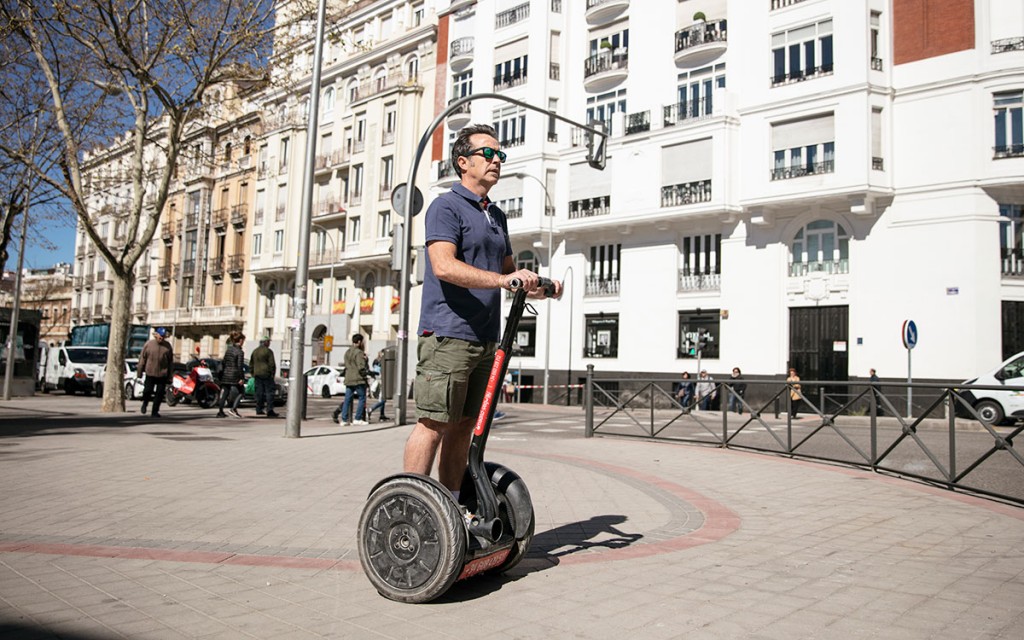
<point>197,386</point>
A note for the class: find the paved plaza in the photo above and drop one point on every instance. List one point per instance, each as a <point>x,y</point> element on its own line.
<point>120,526</point>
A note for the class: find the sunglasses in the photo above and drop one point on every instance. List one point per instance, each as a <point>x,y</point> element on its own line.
<point>488,153</point>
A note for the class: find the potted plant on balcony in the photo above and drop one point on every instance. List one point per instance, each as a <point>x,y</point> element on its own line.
<point>699,17</point>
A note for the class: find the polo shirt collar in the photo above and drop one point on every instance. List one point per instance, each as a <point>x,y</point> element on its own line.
<point>467,194</point>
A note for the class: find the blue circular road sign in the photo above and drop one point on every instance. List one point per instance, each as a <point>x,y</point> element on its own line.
<point>909,334</point>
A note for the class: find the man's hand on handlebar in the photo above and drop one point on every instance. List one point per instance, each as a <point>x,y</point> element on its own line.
<point>536,287</point>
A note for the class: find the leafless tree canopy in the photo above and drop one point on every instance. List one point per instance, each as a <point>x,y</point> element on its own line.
<point>125,76</point>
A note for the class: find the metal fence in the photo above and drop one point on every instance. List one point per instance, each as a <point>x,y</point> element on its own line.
<point>944,442</point>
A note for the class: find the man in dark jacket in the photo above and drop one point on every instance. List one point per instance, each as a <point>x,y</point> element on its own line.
<point>232,375</point>
<point>155,361</point>
<point>356,372</point>
<point>263,367</point>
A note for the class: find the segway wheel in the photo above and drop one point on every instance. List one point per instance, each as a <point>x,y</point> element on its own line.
<point>515,510</point>
<point>412,540</point>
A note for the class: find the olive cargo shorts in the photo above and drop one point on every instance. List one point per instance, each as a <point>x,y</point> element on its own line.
<point>451,377</point>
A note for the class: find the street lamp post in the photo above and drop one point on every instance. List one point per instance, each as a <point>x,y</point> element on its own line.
<point>568,340</point>
<point>334,287</point>
<point>549,212</point>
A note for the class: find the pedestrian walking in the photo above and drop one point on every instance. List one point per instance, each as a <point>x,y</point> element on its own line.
<point>706,390</point>
<point>263,366</point>
<point>357,373</point>
<point>469,260</point>
<point>377,388</point>
<point>155,361</point>
<point>739,390</point>
<point>684,391</point>
<point>232,376</point>
<point>876,392</point>
<point>794,393</point>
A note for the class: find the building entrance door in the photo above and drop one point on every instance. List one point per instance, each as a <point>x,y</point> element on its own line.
<point>819,350</point>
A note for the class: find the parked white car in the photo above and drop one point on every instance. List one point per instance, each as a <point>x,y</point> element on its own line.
<point>133,379</point>
<point>326,381</point>
<point>994,406</point>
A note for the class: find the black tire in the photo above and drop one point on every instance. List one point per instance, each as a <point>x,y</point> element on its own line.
<point>205,398</point>
<point>990,412</point>
<point>129,391</point>
<point>170,397</point>
<point>517,516</point>
<point>412,540</point>
<point>69,388</point>
<point>325,392</point>
<point>98,389</point>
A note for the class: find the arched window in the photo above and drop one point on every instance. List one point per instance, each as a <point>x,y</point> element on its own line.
<point>412,69</point>
<point>227,152</point>
<point>247,145</point>
<point>380,79</point>
<point>328,105</point>
<point>527,260</point>
<point>822,246</point>
<point>353,91</point>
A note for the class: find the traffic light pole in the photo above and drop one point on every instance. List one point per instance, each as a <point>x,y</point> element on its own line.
<point>597,140</point>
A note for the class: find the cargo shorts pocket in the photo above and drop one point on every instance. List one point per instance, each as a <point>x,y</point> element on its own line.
<point>432,390</point>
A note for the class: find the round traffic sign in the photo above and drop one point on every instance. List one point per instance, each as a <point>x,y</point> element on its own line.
<point>398,195</point>
<point>909,334</point>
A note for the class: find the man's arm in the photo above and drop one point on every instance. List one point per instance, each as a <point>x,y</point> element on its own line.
<point>448,268</point>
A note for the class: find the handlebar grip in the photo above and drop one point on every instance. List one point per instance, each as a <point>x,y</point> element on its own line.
<point>545,284</point>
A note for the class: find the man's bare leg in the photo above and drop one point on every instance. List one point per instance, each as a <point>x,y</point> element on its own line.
<point>454,454</point>
<point>421,447</point>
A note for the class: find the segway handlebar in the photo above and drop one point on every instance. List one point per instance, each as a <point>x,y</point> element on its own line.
<point>545,285</point>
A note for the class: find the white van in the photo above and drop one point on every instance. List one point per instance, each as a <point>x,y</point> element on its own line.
<point>75,369</point>
<point>994,406</point>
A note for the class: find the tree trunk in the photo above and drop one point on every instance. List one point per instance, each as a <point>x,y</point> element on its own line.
<point>120,323</point>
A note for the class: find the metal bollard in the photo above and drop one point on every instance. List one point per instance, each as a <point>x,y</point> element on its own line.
<point>588,403</point>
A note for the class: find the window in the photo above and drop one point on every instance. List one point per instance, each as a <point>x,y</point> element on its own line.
<point>527,260</point>
<point>526,339</point>
<point>877,160</point>
<point>354,229</point>
<point>271,298</point>
<point>384,224</point>
<point>1009,111</point>
<point>605,268</point>
<point>876,25</point>
<point>417,15</point>
<point>360,142</point>
<point>318,293</point>
<point>601,108</point>
<point>611,41</point>
<point>328,105</point>
<point>284,156</point>
<point>1011,239</point>
<point>510,123</point>
<point>380,80</point>
<point>822,246</point>
<point>602,336</point>
<point>279,241</point>
<point>412,69</point>
<point>694,93</point>
<point>357,184</point>
<point>802,53</point>
<point>513,207</point>
<point>698,333</point>
<point>387,177</point>
<point>462,84</point>
<point>803,147</point>
<point>319,242</point>
<point>511,73</point>
<point>701,262</point>
<point>390,123</point>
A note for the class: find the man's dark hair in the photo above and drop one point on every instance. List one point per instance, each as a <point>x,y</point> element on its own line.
<point>462,145</point>
<point>357,338</point>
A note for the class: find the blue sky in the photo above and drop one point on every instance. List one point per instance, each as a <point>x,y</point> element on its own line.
<point>60,234</point>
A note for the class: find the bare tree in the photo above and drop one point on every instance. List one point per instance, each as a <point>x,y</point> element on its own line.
<point>141,68</point>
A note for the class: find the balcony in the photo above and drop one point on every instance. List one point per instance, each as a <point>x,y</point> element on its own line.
<point>189,268</point>
<point>142,273</point>
<point>239,213</point>
<point>828,267</point>
<point>216,269</point>
<point>1013,262</point>
<point>164,275</point>
<point>77,282</point>
<point>597,286</point>
<point>460,117</point>
<point>590,207</point>
<point>446,175</point>
<point>279,212</point>
<point>324,258</point>
<point>876,64</point>
<point>1007,44</point>
<point>327,162</point>
<point>689,281</point>
<point>877,164</point>
<point>461,53</point>
<point>88,280</point>
<point>191,221</point>
<point>167,232</point>
<point>326,207</point>
<point>811,169</point>
<point>554,71</point>
<point>141,308</point>
<point>385,192</point>
<point>384,84</point>
<point>686,112</point>
<point>1007,151</point>
<point>779,4</point>
<point>604,70</point>
<point>513,213</point>
<point>284,119</point>
<point>236,266</point>
<point>220,221</point>
<point>512,16</point>
<point>677,195</point>
<point>638,123</point>
<point>700,43</point>
<point>76,314</point>
<point>602,11</point>
<point>779,80</point>
<point>258,217</point>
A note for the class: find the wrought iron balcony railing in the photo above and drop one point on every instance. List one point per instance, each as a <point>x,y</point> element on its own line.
<point>590,207</point>
<point>675,195</point>
<point>799,171</point>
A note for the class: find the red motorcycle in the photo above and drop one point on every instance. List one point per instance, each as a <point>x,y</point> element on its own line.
<point>197,386</point>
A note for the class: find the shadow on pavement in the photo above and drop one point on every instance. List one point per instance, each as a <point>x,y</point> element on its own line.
<point>20,632</point>
<point>41,422</point>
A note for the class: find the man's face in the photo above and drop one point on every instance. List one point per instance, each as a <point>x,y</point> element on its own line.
<point>475,168</point>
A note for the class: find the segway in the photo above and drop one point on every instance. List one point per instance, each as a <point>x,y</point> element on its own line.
<point>415,541</point>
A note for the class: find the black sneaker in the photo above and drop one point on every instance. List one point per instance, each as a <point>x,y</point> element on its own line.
<point>221,414</point>
<point>157,414</point>
<point>144,407</point>
<point>260,412</point>
<point>272,414</point>
<point>384,419</point>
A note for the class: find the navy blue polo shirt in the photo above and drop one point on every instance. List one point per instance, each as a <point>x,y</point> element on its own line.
<point>451,311</point>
